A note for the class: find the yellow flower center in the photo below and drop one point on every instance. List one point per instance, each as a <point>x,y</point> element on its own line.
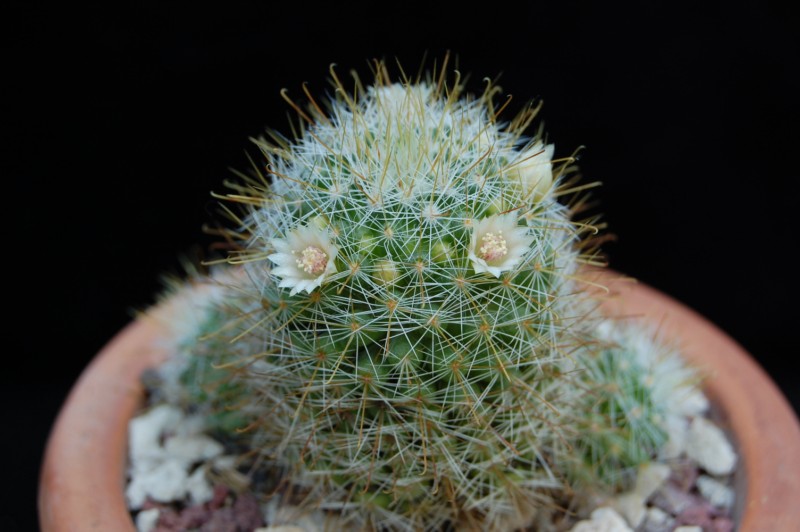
<point>313,260</point>
<point>493,246</point>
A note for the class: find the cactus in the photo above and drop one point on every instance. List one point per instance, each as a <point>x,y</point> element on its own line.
<point>405,339</point>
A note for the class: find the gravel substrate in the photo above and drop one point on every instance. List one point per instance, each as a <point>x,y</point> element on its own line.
<point>181,479</point>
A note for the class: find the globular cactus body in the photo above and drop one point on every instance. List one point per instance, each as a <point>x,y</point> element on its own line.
<point>406,335</point>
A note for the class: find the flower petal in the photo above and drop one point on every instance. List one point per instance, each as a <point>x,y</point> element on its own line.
<point>294,275</point>
<point>505,235</point>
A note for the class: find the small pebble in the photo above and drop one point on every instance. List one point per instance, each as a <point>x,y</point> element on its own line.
<point>716,492</point>
<point>672,500</point>
<point>247,512</point>
<point>697,514</point>
<point>691,403</point>
<point>220,495</point>
<point>707,445</point>
<point>145,432</point>
<point>277,514</point>
<point>631,506</point>
<point>677,427</point>
<point>198,487</point>
<point>165,483</point>
<point>650,477</point>
<point>657,520</point>
<point>169,519</point>
<point>146,519</point>
<point>603,520</point>
<point>194,517</point>
<point>191,449</point>
<point>164,445</point>
<point>222,520</point>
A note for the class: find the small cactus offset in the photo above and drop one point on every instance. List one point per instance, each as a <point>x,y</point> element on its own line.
<point>405,336</point>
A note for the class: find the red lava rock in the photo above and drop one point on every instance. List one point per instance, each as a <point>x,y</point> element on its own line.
<point>722,524</point>
<point>672,500</point>
<point>219,515</point>
<point>248,512</point>
<point>222,520</point>
<point>697,515</point>
<point>194,516</point>
<point>168,521</point>
<point>218,498</point>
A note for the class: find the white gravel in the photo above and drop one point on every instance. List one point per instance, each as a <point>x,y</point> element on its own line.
<point>164,446</point>
<point>708,446</point>
<point>715,492</point>
<point>603,519</point>
<point>146,519</point>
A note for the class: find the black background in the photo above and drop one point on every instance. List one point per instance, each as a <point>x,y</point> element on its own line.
<point>120,120</point>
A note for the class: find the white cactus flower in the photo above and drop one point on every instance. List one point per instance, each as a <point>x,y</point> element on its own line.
<point>534,170</point>
<point>498,243</point>
<point>304,258</point>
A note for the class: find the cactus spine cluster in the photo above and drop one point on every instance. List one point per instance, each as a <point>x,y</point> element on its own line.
<point>404,335</point>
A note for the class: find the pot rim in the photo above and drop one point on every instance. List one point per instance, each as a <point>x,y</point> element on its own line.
<point>83,473</point>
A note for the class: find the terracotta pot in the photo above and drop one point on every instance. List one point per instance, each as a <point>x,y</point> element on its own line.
<point>82,482</point>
